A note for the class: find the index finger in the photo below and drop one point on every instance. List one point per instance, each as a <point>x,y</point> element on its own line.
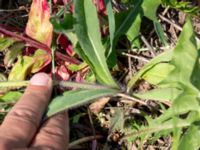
<point>22,121</point>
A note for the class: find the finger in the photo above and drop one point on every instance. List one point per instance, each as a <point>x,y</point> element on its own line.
<point>23,120</point>
<point>54,133</point>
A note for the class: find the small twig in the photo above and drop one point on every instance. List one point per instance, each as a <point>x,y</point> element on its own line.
<point>84,139</point>
<point>146,49</point>
<point>173,33</point>
<point>129,65</point>
<point>93,129</point>
<point>173,24</point>
<point>136,57</point>
<point>148,45</point>
<point>28,40</point>
<point>66,58</point>
<point>23,16</point>
<point>132,99</point>
<point>165,11</point>
<point>13,10</point>
<point>170,22</point>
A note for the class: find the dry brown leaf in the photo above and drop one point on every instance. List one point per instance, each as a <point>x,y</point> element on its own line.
<point>99,104</point>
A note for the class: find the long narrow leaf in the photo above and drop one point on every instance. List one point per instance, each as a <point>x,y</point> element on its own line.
<point>160,33</point>
<point>126,24</point>
<point>88,33</point>
<point>111,19</point>
<point>76,98</point>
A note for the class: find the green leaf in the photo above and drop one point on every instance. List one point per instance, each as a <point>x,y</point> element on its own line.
<point>88,33</point>
<point>117,121</point>
<point>161,94</point>
<point>12,53</point>
<point>150,7</point>
<point>182,87</point>
<point>134,31</point>
<point>164,57</point>
<point>11,96</point>
<point>3,79</point>
<point>128,20</point>
<point>110,54</point>
<point>190,139</point>
<point>198,44</point>
<point>74,67</point>
<point>71,99</point>
<point>185,75</point>
<point>131,24</point>
<point>186,49</point>
<point>185,103</point>
<point>157,127</point>
<point>40,59</point>
<point>159,31</point>
<point>5,42</point>
<point>63,25</point>
<point>21,68</point>
<point>157,73</point>
<point>183,6</point>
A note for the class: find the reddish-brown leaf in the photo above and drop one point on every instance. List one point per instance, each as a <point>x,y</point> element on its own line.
<point>39,26</point>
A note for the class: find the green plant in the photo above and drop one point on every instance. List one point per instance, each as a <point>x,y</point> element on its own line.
<point>174,80</point>
<point>181,87</point>
<point>183,6</point>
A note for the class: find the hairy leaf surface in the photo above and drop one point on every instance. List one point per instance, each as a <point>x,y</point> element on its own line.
<point>76,98</point>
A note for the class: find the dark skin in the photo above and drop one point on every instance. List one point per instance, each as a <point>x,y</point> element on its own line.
<point>22,129</point>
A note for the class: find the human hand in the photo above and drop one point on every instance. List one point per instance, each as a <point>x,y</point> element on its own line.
<point>22,129</point>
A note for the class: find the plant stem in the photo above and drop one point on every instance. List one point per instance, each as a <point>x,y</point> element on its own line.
<point>17,84</point>
<point>84,139</point>
<point>82,85</point>
<point>53,61</point>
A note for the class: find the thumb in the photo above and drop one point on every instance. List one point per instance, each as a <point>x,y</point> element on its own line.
<point>22,121</point>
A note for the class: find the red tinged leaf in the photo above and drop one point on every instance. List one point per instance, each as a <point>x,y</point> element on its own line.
<point>66,45</point>
<point>62,73</point>
<point>39,26</point>
<point>40,29</point>
<point>55,1</point>
<point>79,77</point>
<point>66,58</point>
<point>64,2</point>
<point>101,7</point>
<point>29,51</point>
<point>100,4</point>
<point>28,40</point>
<point>41,60</point>
<point>60,2</point>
